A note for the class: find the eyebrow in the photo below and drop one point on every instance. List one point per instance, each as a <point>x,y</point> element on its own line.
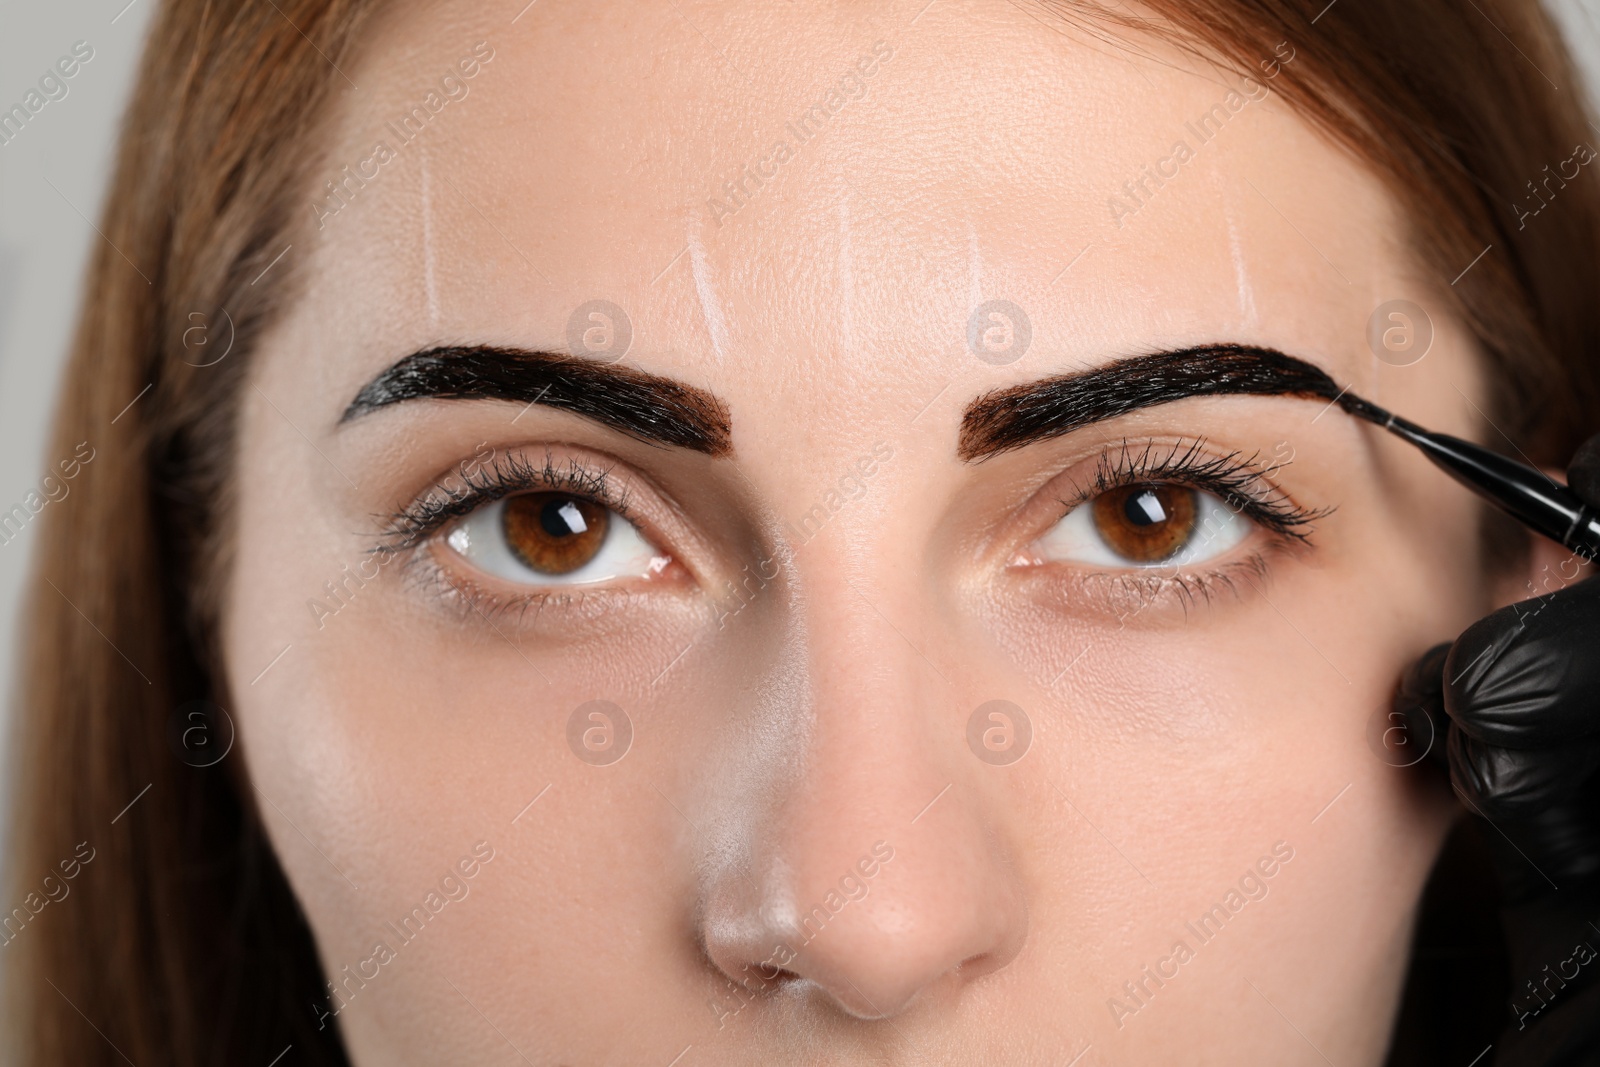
<point>1019,415</point>
<point>644,406</point>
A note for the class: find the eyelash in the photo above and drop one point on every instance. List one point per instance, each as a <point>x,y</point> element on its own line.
<point>1239,481</point>
<point>413,524</point>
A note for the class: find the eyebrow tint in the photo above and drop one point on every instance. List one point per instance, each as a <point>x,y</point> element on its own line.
<point>644,406</point>
<point>1019,415</point>
<point>1525,493</point>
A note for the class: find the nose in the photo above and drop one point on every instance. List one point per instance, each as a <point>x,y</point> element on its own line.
<point>877,874</point>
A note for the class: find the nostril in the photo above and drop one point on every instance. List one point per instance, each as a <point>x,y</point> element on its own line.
<point>900,926</point>
<point>976,966</point>
<point>781,980</point>
<point>764,977</point>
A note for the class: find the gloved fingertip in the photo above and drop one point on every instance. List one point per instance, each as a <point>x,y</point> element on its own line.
<point>1425,676</point>
<point>1583,473</point>
<point>1416,718</point>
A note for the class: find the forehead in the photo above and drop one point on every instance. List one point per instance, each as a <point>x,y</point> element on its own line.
<point>775,193</point>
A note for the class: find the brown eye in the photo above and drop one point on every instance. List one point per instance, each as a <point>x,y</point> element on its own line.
<point>554,533</point>
<point>1146,523</point>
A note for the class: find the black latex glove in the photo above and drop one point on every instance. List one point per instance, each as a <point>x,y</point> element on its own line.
<point>1513,706</point>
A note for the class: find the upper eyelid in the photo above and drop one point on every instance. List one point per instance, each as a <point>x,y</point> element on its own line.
<point>1185,462</point>
<point>1108,474</point>
<point>505,474</point>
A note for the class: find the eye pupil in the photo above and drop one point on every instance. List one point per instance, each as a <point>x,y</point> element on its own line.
<point>562,518</point>
<point>1144,508</point>
<point>554,533</point>
<point>1147,523</point>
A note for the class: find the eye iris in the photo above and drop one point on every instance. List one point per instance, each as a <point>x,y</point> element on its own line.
<point>1146,523</point>
<point>554,533</point>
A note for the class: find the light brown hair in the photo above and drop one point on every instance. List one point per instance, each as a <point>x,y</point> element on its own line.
<point>181,942</point>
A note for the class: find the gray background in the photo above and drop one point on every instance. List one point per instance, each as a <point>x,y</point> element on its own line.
<point>46,233</point>
<point>45,243</point>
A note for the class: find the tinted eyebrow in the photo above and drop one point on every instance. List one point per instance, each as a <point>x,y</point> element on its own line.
<point>1019,415</point>
<point>644,406</point>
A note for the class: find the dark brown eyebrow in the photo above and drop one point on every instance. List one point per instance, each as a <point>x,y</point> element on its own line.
<point>644,406</point>
<point>1020,415</point>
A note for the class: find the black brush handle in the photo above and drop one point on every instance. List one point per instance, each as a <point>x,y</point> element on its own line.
<point>1525,493</point>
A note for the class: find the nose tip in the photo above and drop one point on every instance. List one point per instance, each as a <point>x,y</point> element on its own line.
<point>918,921</point>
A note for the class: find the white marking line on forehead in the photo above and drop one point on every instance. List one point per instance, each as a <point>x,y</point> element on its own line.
<point>1247,297</point>
<point>710,309</point>
<point>847,277</point>
<point>975,266</point>
<point>429,279</point>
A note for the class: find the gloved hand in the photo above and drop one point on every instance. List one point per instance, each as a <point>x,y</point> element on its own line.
<point>1515,701</point>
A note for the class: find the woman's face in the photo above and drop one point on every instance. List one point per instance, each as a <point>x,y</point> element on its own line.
<point>710,689</point>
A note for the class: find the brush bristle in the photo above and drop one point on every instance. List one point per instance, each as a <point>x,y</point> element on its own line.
<point>1364,409</point>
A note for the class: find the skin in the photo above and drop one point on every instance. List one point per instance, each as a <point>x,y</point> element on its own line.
<point>778,737</point>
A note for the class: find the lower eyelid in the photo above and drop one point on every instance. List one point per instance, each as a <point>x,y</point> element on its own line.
<point>473,600</point>
<point>1154,596</point>
<point>441,578</point>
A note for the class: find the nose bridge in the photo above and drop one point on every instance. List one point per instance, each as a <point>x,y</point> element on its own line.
<point>878,743</point>
<point>875,876</point>
<point>876,697</point>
